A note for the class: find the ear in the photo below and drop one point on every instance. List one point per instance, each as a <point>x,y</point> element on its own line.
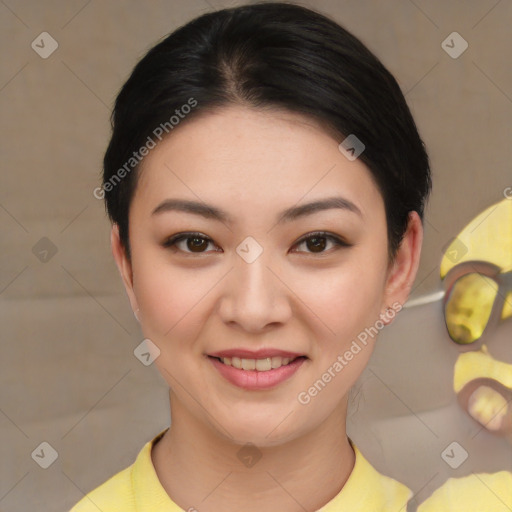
<point>402,271</point>
<point>124,266</point>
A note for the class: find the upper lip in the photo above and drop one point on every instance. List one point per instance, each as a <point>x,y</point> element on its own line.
<point>255,354</point>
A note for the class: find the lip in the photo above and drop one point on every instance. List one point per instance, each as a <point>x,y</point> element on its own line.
<point>255,354</point>
<point>254,379</point>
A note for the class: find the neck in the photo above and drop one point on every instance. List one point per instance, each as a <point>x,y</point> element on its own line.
<point>202,470</point>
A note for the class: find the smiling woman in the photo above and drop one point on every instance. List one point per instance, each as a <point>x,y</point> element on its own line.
<point>256,245</point>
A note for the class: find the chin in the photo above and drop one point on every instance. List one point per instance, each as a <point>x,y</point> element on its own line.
<point>268,431</point>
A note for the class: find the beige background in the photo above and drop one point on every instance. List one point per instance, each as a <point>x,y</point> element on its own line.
<point>68,373</point>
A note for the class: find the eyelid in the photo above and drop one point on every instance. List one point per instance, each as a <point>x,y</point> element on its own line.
<point>336,239</point>
<point>178,237</point>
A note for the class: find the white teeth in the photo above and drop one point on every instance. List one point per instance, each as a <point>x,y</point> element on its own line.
<point>262,365</point>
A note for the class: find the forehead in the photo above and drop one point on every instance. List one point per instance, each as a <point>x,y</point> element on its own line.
<point>256,157</point>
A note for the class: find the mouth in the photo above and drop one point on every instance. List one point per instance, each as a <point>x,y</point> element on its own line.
<point>263,373</point>
<point>265,364</point>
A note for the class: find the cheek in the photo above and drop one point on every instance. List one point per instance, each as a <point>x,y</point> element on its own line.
<point>347,303</point>
<point>170,298</point>
<point>346,298</point>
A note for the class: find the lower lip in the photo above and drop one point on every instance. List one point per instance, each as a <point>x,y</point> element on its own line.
<point>253,379</point>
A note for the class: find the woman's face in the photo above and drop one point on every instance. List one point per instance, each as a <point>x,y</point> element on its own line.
<point>252,280</point>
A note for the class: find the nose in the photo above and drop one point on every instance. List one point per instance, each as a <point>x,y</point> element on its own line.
<point>255,295</point>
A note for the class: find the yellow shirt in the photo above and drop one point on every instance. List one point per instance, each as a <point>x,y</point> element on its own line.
<point>472,493</point>
<point>138,489</point>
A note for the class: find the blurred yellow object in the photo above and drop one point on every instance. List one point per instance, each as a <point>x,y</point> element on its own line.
<point>488,407</point>
<point>479,492</point>
<point>483,386</point>
<point>469,306</point>
<point>479,364</point>
<point>488,237</point>
<point>507,307</point>
<point>476,268</point>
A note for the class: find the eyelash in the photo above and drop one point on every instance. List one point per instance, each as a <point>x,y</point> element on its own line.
<point>171,242</point>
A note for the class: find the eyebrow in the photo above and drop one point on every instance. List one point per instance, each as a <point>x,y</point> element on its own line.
<point>288,215</point>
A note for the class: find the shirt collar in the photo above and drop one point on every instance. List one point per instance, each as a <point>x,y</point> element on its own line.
<point>365,489</point>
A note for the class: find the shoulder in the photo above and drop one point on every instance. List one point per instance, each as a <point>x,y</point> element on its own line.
<point>472,493</point>
<point>385,490</point>
<point>134,488</point>
<point>368,489</point>
<point>114,495</point>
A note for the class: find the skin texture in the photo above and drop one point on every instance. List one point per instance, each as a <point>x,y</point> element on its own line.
<point>293,297</point>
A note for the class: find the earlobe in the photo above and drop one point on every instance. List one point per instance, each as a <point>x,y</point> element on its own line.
<point>388,315</point>
<point>404,268</point>
<point>124,265</point>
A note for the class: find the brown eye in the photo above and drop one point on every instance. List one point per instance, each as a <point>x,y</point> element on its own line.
<point>196,244</point>
<point>190,242</point>
<point>317,242</point>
